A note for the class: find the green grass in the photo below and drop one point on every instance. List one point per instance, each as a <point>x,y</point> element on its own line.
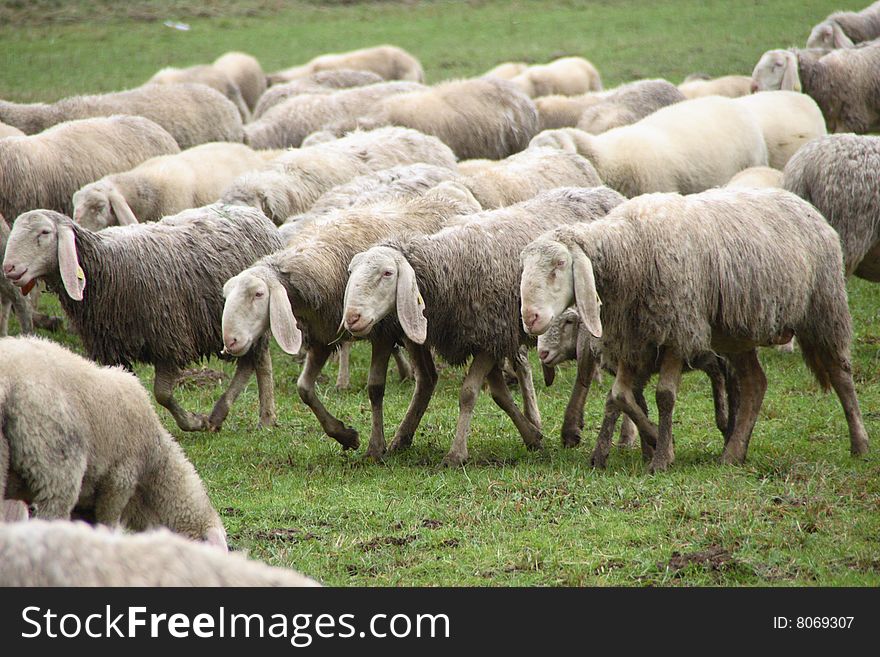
<point>800,512</point>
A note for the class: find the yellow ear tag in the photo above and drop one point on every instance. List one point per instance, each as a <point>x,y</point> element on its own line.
<point>80,274</point>
<point>598,299</point>
<point>421,302</point>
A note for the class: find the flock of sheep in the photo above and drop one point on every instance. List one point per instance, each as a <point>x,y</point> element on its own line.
<point>647,229</point>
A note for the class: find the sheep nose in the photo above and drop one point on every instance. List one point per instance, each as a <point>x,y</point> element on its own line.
<point>352,317</point>
<point>543,354</point>
<point>231,343</point>
<point>531,318</point>
<point>7,269</point>
<point>754,87</point>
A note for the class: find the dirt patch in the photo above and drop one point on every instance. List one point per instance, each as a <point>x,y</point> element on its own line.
<point>203,377</point>
<point>284,534</point>
<point>715,558</point>
<point>450,543</point>
<point>231,512</point>
<point>430,523</point>
<point>384,541</point>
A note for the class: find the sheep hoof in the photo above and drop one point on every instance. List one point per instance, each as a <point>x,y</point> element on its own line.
<point>859,449</point>
<point>401,442</point>
<point>341,387</point>
<point>731,456</point>
<point>658,465</point>
<point>598,460</point>
<point>373,456</point>
<point>268,422</point>
<point>454,460</point>
<point>627,443</point>
<point>571,438</point>
<point>535,445</point>
<point>347,437</point>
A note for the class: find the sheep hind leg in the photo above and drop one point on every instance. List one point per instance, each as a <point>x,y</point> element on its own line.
<point>574,412</point>
<point>481,365</point>
<point>667,389</point>
<point>840,374</point>
<point>752,384</point>
<point>530,433</point>
<point>343,376</point>
<point>627,394</point>
<point>527,387</point>
<point>315,358</point>
<point>426,380</point>
<point>599,457</point>
<point>716,371</point>
<point>404,370</point>
<point>628,433</point>
<point>163,389</point>
<point>376,392</point>
<point>244,369</point>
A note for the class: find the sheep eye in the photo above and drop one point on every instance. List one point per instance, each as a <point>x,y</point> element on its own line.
<point>259,295</point>
<point>387,273</point>
<point>45,231</point>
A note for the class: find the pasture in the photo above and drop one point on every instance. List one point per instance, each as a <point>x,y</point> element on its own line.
<point>801,511</point>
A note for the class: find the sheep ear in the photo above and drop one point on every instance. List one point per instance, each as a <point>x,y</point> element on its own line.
<point>585,295</point>
<point>72,275</point>
<point>410,304</point>
<point>791,81</point>
<point>281,319</point>
<point>121,209</point>
<point>838,38</point>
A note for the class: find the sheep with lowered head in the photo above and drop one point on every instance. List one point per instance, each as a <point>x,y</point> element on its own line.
<point>564,111</point>
<point>566,76</point>
<point>507,70</point>
<point>844,29</point>
<point>209,76</point>
<point>627,104</point>
<point>245,71</point>
<point>76,435</point>
<point>655,298</point>
<point>756,177</point>
<point>150,293</point>
<point>390,62</point>
<point>325,82</point>
<point>732,86</point>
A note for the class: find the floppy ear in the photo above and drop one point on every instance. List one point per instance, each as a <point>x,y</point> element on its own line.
<point>281,319</point>
<point>72,275</point>
<point>410,304</point>
<point>123,212</point>
<point>585,296</point>
<point>839,39</point>
<point>791,81</point>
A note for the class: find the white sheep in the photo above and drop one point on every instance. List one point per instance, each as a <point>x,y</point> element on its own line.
<point>567,76</point>
<point>390,62</point>
<point>732,86</point>
<point>507,70</point>
<point>245,71</point>
<point>210,77</point>
<point>756,177</point>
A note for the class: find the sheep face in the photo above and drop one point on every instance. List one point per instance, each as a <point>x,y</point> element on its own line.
<point>32,249</point>
<point>559,343</point>
<point>777,69</point>
<point>560,139</point>
<point>828,35</point>
<point>91,206</point>
<point>546,287</point>
<point>256,301</point>
<point>371,292</point>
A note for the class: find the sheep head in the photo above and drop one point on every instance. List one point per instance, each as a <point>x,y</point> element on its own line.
<point>256,302</point>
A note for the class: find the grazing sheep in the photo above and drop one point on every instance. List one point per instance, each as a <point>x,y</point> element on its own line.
<point>291,183</point>
<point>564,111</point>
<point>42,553</point>
<point>11,298</point>
<point>627,104</point>
<point>44,170</point>
<point>844,29</point>
<point>308,279</point>
<point>732,86</point>
<point>524,175</point>
<point>843,83</point>
<point>209,76</point>
<point>686,147</point>
<point>245,71</point>
<point>78,435</point>
<point>566,76</point>
<point>290,121</point>
<point>507,70</point>
<point>191,113</point>
<point>666,300</point>
<point>465,279</point>
<point>389,62</point>
<point>756,177</point>
<point>316,83</point>
<point>165,185</point>
<point>150,293</point>
<point>838,175</point>
<point>476,118</point>
<point>9,131</point>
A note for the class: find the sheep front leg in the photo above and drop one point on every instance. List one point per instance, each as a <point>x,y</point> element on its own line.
<point>265,386</point>
<point>599,458</point>
<point>573,419</point>
<point>626,393</point>
<point>163,390</point>
<point>752,384</point>
<point>404,371</point>
<point>531,434</point>
<point>467,399</point>
<point>527,387</point>
<point>426,380</point>
<point>376,391</point>
<point>667,389</point>
<point>343,376</point>
<point>244,368</point>
<point>5,308</point>
<point>315,358</point>
<point>113,495</point>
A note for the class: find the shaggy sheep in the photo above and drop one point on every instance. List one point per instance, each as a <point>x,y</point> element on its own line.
<point>209,76</point>
<point>627,104</point>
<point>165,185</point>
<point>191,113</point>
<point>666,300</point>
<point>686,147</point>
<point>150,292</point>
<point>389,62</point>
<point>79,435</point>
<point>843,83</point>
<point>436,274</point>
<point>524,175</point>
<point>9,131</point>
<point>844,29</point>
<point>732,86</point>
<point>291,183</point>
<point>41,553</point>
<point>507,70</point>
<point>11,298</point>
<point>245,71</point>
<point>44,170</point>
<point>756,177</point>
<point>290,121</point>
<point>310,276</point>
<point>564,111</point>
<point>566,76</point>
<point>318,83</point>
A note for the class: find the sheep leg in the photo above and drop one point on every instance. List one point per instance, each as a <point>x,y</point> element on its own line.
<point>626,393</point>
<point>481,365</point>
<point>840,373</point>
<point>265,386</point>
<point>731,384</point>
<point>404,371</point>
<point>24,314</point>
<point>599,457</point>
<point>752,384</point>
<point>667,388</point>
<point>628,433</point>
<point>715,370</point>
<point>530,433</point>
<point>376,392</point>
<point>426,380</point>
<point>574,413</point>
<point>244,368</point>
<point>113,496</point>
<point>5,309</point>
<point>343,377</point>
<point>315,358</point>
<point>163,390</point>
<point>527,388</point>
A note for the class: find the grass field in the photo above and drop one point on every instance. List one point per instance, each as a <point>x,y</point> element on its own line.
<point>800,512</point>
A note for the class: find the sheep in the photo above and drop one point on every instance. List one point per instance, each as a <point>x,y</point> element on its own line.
<point>309,276</point>
<point>191,113</point>
<point>523,175</point>
<point>150,292</point>
<point>290,121</point>
<point>209,76</point>
<point>245,71</point>
<point>686,147</point>
<point>627,104</point>
<point>316,83</point>
<point>756,177</point>
<point>788,120</point>
<point>732,86</point>
<point>566,76</point>
<point>11,298</point>
<point>838,175</point>
<point>666,300</point>
<point>165,185</point>
<point>842,82</point>
<point>476,118</point>
<point>78,435</point>
<point>9,131</point>
<point>54,553</point>
<point>844,29</point>
<point>464,278</point>
<point>390,62</point>
<point>507,70</point>
<point>564,111</point>
<point>44,170</point>
<point>291,183</point>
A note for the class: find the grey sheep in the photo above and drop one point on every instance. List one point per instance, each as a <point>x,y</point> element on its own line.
<point>245,71</point>
<point>324,82</point>
<point>45,553</point>
<point>209,76</point>
<point>150,293</point>
<point>565,111</point>
<point>665,300</point>
<point>845,29</point>
<point>389,62</point>
<point>457,292</point>
<point>191,113</point>
<point>44,170</point>
<point>76,435</point>
<point>627,104</point>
